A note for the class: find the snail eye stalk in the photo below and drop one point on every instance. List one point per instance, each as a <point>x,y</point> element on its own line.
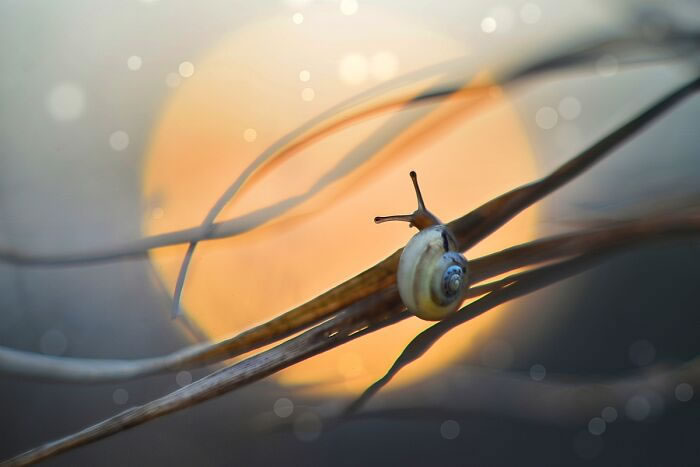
<point>421,217</point>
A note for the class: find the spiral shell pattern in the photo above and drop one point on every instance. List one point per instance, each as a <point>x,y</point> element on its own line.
<point>432,276</point>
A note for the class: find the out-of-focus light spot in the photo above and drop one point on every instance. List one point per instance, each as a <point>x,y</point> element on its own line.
<point>530,13</point>
<point>66,101</point>
<point>350,365</point>
<point>348,7</point>
<point>587,446</point>
<point>449,429</point>
<point>637,408</point>
<point>307,427</point>
<point>684,392</point>
<point>183,378</point>
<point>596,426</point>
<point>173,80</point>
<point>250,135</point>
<point>538,372</point>
<point>383,65</point>
<point>609,414</point>
<point>157,213</point>
<point>642,352</point>
<point>283,407</point>
<point>497,354</point>
<point>353,69</point>
<point>546,118</point>
<point>297,18</point>
<point>569,108</point>
<point>488,25</point>
<point>119,140</point>
<point>304,76</point>
<point>53,342</point>
<point>307,94</point>
<point>503,18</point>
<point>606,65</point>
<point>134,63</point>
<point>186,69</point>
<point>120,396</point>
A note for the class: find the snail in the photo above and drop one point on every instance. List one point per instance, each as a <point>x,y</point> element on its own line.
<point>432,276</point>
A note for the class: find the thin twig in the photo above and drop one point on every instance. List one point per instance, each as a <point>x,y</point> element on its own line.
<point>286,146</point>
<point>369,301</point>
<point>467,229</point>
<point>515,287</point>
<point>557,400</point>
<point>368,315</point>
<point>89,371</point>
<point>379,310</point>
<point>679,43</point>
<point>484,220</point>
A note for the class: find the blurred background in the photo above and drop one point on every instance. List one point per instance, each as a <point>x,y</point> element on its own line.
<point>125,119</point>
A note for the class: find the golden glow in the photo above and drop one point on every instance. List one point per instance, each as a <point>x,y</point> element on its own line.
<point>251,81</point>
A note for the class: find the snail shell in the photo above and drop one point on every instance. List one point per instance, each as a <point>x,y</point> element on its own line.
<point>432,276</point>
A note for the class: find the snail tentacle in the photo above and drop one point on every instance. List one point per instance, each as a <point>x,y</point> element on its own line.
<point>421,218</point>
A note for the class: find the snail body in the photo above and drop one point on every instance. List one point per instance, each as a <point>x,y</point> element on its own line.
<point>432,276</point>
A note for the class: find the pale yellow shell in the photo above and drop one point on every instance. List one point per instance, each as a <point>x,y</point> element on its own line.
<point>421,266</point>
